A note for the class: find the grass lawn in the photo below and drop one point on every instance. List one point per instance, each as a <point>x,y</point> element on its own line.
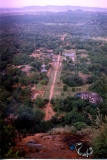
<point>39,86</point>
<point>69,91</point>
<point>46,95</point>
<point>48,87</point>
<point>57,91</point>
<point>51,77</point>
<point>58,77</point>
<point>57,86</point>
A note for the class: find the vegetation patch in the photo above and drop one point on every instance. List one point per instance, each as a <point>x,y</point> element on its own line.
<point>73,80</point>
<point>36,58</point>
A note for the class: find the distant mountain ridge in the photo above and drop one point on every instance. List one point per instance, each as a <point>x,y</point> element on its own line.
<point>53,8</point>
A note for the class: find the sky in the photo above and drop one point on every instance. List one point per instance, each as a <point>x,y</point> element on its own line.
<point>22,3</point>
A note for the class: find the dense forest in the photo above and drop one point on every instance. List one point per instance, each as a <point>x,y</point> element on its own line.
<point>20,35</point>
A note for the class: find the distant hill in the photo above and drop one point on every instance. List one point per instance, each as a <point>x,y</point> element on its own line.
<point>53,9</point>
<point>64,8</point>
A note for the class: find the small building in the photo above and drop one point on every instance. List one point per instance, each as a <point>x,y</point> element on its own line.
<point>51,54</point>
<point>43,70</point>
<point>54,59</point>
<point>70,55</point>
<point>43,66</point>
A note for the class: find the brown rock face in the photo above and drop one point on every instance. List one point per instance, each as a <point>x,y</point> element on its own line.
<point>50,146</point>
<point>91,96</point>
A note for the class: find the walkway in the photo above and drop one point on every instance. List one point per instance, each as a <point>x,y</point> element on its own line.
<point>48,110</point>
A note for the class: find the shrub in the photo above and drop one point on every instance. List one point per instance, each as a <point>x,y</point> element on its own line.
<point>73,80</point>
<point>46,101</point>
<point>39,115</point>
<point>65,88</point>
<point>80,125</point>
<point>44,81</point>
<point>63,130</point>
<point>39,102</point>
<point>100,145</point>
<point>52,101</point>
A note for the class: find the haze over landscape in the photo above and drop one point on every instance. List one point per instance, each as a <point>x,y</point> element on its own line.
<point>53,79</point>
<point>20,3</point>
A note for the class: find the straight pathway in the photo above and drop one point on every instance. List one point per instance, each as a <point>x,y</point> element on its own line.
<point>48,110</point>
<point>56,70</point>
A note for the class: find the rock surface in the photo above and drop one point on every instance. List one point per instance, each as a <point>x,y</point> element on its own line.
<point>91,96</point>
<point>43,146</point>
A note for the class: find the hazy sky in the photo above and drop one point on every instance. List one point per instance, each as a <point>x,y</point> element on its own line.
<point>22,3</point>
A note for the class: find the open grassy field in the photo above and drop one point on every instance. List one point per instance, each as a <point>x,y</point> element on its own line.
<point>48,86</point>
<point>58,87</point>
<point>70,92</point>
<point>46,94</point>
<point>57,70</point>
<point>39,86</point>
<point>58,90</point>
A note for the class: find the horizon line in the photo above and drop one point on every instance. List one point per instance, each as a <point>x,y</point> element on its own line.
<point>50,6</point>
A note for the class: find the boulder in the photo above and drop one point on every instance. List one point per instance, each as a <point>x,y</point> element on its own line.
<point>38,147</point>
<point>31,141</point>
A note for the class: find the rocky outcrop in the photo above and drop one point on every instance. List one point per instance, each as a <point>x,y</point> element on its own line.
<point>91,96</point>
<point>44,146</point>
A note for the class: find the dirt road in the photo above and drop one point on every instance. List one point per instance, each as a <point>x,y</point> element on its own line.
<point>52,87</point>
<point>48,110</point>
